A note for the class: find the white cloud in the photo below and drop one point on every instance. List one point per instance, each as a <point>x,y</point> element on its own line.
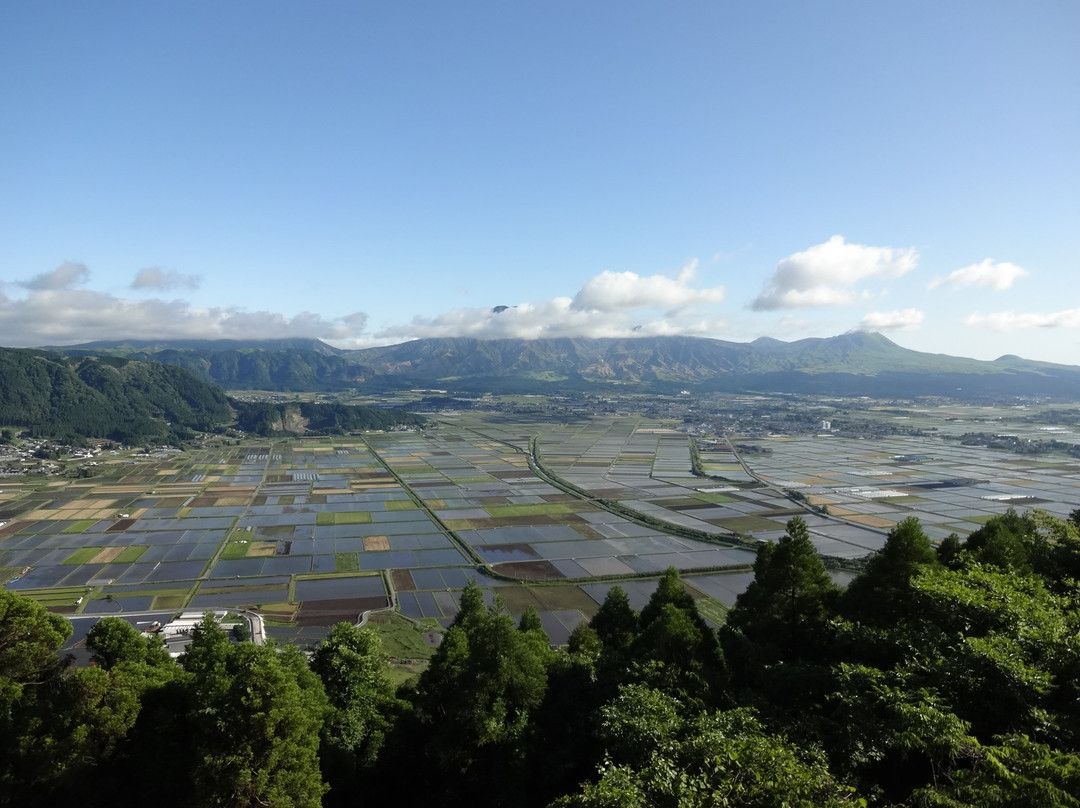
<point>621,291</point>
<point>155,278</point>
<point>64,276</point>
<point>611,304</point>
<point>548,319</point>
<point>1010,321</point>
<point>997,275</point>
<point>901,320</point>
<point>54,314</point>
<point>827,274</point>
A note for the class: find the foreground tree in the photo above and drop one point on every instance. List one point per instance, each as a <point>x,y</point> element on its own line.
<point>352,668</point>
<point>615,623</point>
<point>882,593</point>
<point>659,756</point>
<point>63,725</point>
<point>1017,773</point>
<point>472,706</point>
<point>114,641</point>
<point>784,611</point>
<point>30,638</point>
<point>676,650</point>
<point>258,714</point>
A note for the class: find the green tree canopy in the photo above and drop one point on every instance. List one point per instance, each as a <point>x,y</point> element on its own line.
<point>658,756</point>
<point>615,623</point>
<point>258,715</point>
<point>881,594</point>
<point>786,606</point>
<point>113,641</point>
<point>352,667</point>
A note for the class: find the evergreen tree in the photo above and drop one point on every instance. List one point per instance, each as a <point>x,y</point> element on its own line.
<point>676,649</point>
<point>881,594</point>
<point>785,608</point>
<point>475,700</point>
<point>259,712</point>
<point>352,668</point>
<point>615,623</point>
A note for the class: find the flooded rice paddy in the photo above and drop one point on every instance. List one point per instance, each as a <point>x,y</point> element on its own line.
<point>307,530</point>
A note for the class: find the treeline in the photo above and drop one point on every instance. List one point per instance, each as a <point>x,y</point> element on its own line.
<point>317,418</point>
<point>1014,443</point>
<point>105,397</point>
<point>944,678</point>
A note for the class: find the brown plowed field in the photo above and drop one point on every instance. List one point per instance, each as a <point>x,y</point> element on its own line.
<point>403,580</point>
<point>332,612</point>
<point>529,570</point>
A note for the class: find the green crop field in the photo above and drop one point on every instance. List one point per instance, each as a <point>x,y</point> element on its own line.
<point>80,526</point>
<point>348,518</point>
<point>539,509</point>
<point>82,555</point>
<point>346,562</point>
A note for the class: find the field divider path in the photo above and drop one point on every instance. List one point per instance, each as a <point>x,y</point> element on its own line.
<point>730,539</point>
<point>205,574</point>
<point>459,542</point>
<point>806,506</point>
<point>532,456</point>
<point>391,599</point>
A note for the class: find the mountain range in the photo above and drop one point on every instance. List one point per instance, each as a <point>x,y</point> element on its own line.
<point>857,363</point>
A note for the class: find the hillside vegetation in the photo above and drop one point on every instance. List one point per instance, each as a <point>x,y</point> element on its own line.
<point>306,418</point>
<point>286,365</point>
<point>108,397</point>
<point>69,398</point>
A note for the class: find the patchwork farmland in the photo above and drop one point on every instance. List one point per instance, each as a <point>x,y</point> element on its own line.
<point>312,531</point>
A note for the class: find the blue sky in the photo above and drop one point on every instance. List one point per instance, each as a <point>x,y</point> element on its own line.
<point>369,173</point>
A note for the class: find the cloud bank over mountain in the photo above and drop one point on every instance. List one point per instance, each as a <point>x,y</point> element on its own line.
<point>59,310</point>
<point>611,304</point>
<point>847,279</point>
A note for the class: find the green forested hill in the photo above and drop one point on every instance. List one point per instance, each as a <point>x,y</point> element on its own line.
<point>115,398</point>
<point>294,365</point>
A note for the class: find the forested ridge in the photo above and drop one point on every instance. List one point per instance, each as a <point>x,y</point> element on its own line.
<point>105,397</point>
<point>305,365</point>
<point>944,676</point>
<point>131,402</point>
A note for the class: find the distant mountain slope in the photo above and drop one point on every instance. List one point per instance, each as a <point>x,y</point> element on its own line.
<point>202,345</point>
<point>285,364</point>
<point>858,363</point>
<point>690,359</point>
<point>110,397</point>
